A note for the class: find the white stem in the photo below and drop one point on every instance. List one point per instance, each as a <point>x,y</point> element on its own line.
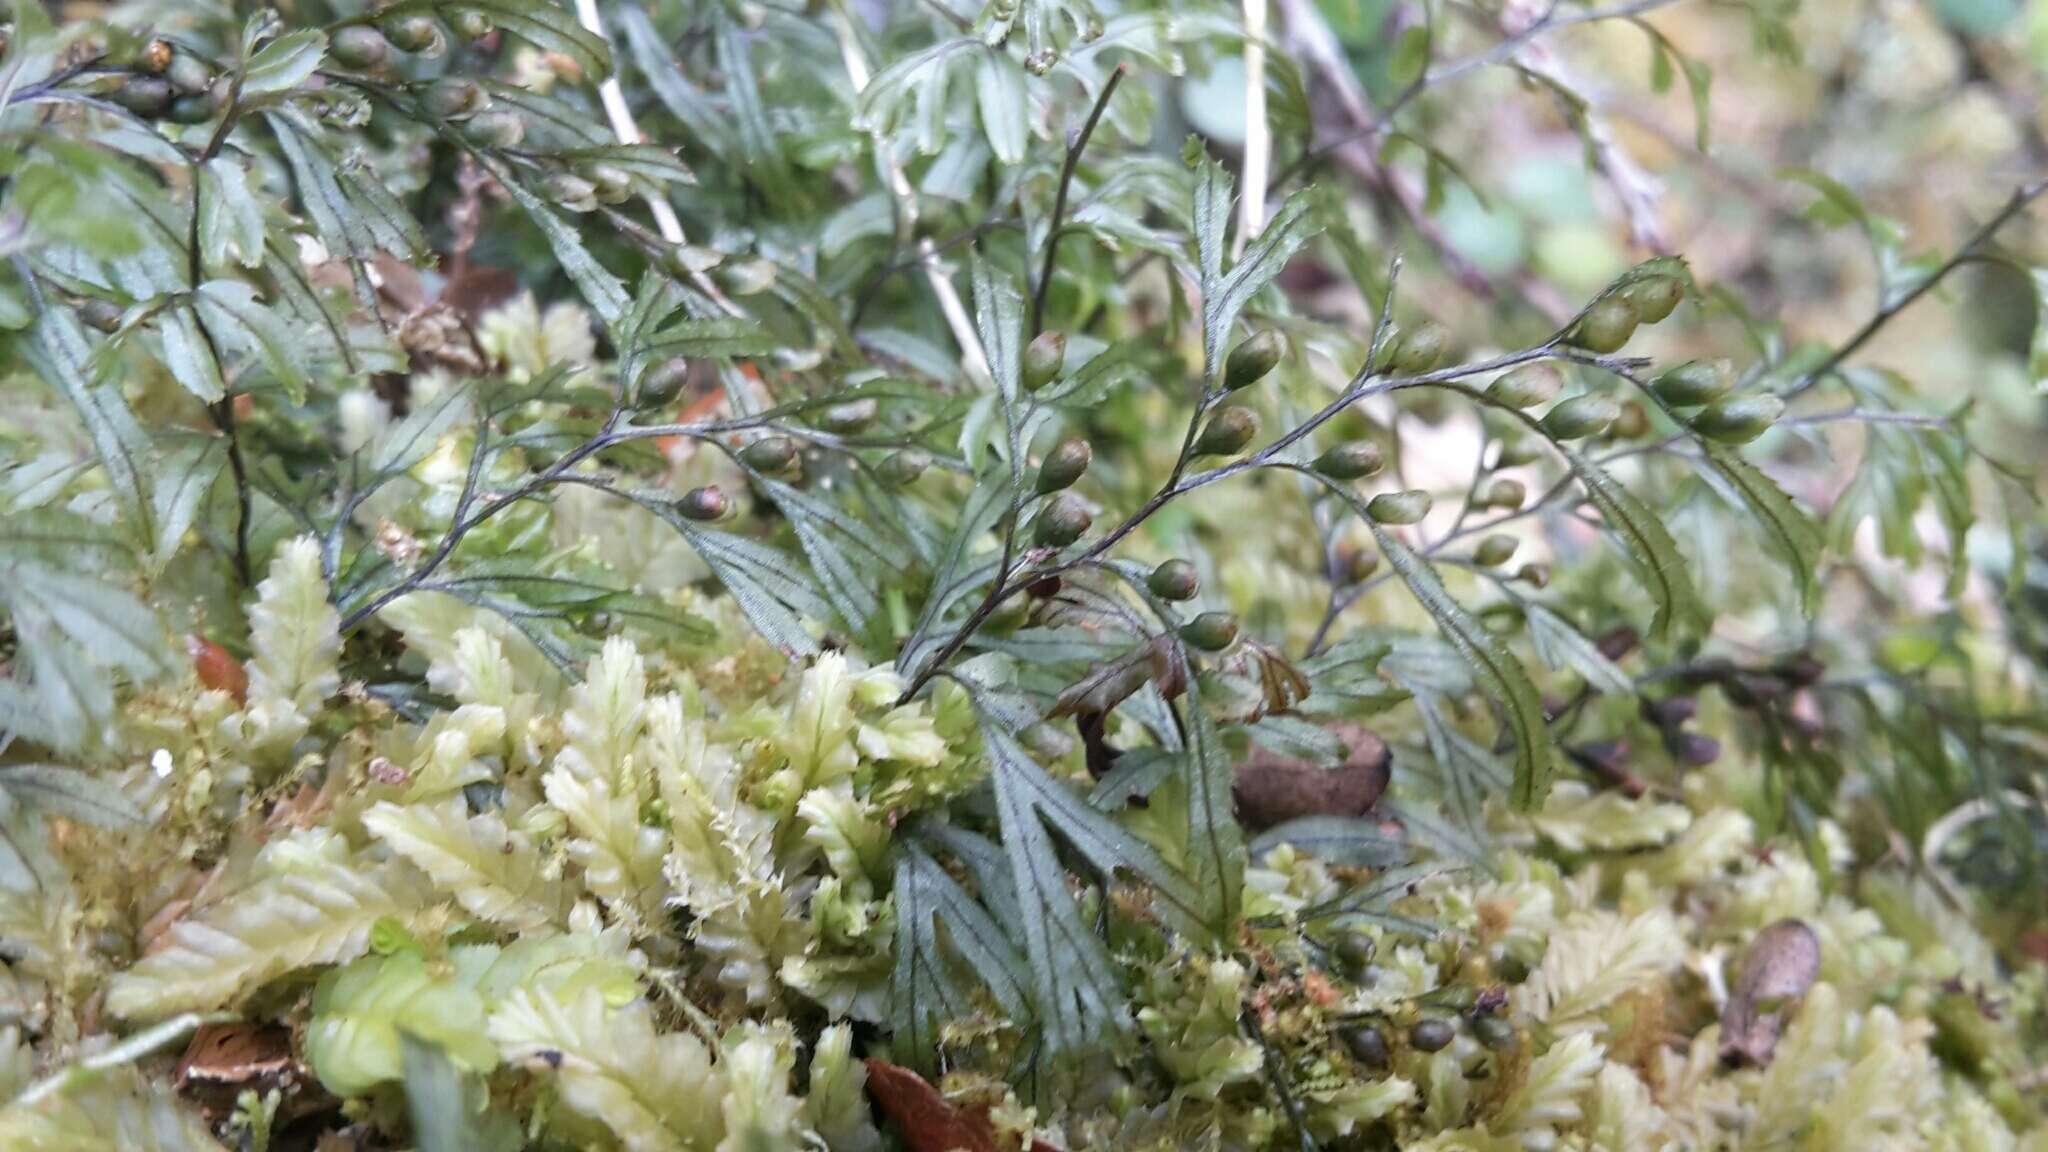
<point>614,100</point>
<point>613,97</point>
<point>126,1052</point>
<point>962,325</point>
<point>1258,138</point>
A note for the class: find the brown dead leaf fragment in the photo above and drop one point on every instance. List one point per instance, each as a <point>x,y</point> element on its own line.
<point>1781,964</point>
<point>1109,684</point>
<point>924,1119</point>
<point>235,1054</point>
<point>217,669</point>
<point>224,1060</point>
<point>1272,789</point>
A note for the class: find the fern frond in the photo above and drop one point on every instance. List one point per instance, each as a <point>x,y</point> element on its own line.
<point>836,1105</point>
<point>1578,819</point>
<point>760,1111</point>
<point>118,1112</point>
<point>294,631</point>
<point>1623,1117</point>
<point>1595,959</point>
<point>598,785</point>
<point>292,917</point>
<point>358,1012</point>
<point>656,1091</point>
<point>620,856</point>
<point>1548,1096</point>
<point>495,873</point>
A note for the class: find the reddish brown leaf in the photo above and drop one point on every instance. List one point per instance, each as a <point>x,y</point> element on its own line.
<point>1273,789</point>
<point>925,1120</point>
<point>218,670</point>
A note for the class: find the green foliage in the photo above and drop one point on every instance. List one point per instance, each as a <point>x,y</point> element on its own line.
<point>565,558</point>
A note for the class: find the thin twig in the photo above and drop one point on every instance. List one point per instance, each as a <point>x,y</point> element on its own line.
<point>1180,483</point>
<point>465,521</point>
<point>1370,127</point>
<point>2018,202</point>
<point>1636,190</point>
<point>1059,204</point>
<point>221,411</point>
<point>1867,416</point>
<point>1379,339</point>
<point>1277,1076</point>
<point>1316,45</point>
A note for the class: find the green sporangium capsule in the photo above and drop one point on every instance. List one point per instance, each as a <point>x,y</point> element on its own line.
<point>1656,298</point>
<point>454,98</point>
<point>1353,461</point>
<point>903,467</point>
<point>1527,386</point>
<point>1250,361</point>
<point>1739,419</point>
<point>1354,950</point>
<point>147,96</point>
<point>1505,492</point>
<point>197,108</point>
<point>663,382</point>
<point>746,277</point>
<point>1174,580</point>
<point>1587,414</point>
<point>1432,1035</point>
<point>496,128</point>
<point>1043,359</point>
<point>189,74</point>
<point>1495,550</point>
<point>471,25</point>
<point>1227,432</point>
<point>1211,631</point>
<point>1694,383</point>
<point>1367,1045</point>
<point>570,191</point>
<point>1607,326</point>
<point>104,315</point>
<point>1359,566</point>
<point>1534,575</point>
<point>1064,465</point>
<point>155,57</point>
<point>850,416</point>
<point>614,186</point>
<point>1634,421</point>
<point>1496,1032</point>
<point>770,454</point>
<point>1064,521</point>
<point>359,46</point>
<point>1515,451</point>
<point>1398,507</point>
<point>1419,349</point>
<point>412,33</point>
<point>703,504</point>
